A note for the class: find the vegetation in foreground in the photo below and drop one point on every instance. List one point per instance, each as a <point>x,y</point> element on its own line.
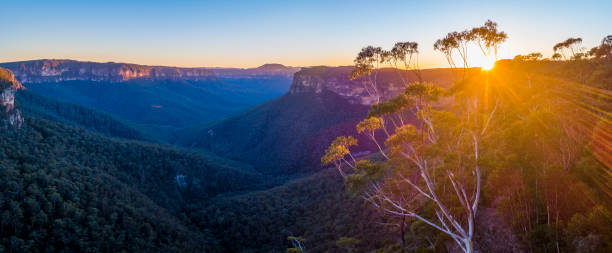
<point>529,138</point>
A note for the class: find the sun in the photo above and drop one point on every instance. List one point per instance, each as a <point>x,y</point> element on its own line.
<point>487,64</point>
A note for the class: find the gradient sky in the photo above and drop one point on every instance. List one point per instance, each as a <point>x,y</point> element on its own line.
<point>298,33</point>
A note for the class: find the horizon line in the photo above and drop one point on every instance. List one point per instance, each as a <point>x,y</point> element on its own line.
<point>215,67</point>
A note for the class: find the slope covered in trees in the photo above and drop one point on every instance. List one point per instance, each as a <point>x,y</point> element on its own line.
<point>288,135</point>
<point>48,108</point>
<point>274,136</point>
<point>67,189</point>
<point>316,208</point>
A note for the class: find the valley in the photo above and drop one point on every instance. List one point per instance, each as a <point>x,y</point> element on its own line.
<point>305,126</point>
<point>157,101</point>
<point>114,157</point>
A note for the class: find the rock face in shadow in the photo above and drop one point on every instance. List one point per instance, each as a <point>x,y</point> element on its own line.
<point>9,113</point>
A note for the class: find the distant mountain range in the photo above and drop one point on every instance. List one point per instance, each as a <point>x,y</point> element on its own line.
<point>42,71</point>
<point>269,69</point>
<point>156,100</point>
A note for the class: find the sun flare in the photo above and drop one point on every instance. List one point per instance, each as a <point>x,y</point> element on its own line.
<point>487,64</point>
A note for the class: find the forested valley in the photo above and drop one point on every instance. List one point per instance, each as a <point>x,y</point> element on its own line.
<point>382,156</point>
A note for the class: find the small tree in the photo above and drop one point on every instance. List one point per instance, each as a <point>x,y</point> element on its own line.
<point>569,48</point>
<point>488,38</point>
<point>337,152</point>
<point>367,63</point>
<point>604,50</point>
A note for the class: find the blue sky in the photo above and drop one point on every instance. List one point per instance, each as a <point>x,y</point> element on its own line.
<point>299,33</point>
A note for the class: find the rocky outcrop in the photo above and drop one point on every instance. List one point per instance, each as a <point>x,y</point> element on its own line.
<point>42,71</point>
<point>390,82</point>
<point>336,80</point>
<point>9,113</point>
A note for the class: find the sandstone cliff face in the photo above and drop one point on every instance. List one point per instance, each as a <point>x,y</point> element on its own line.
<point>9,114</point>
<point>390,82</point>
<point>336,80</point>
<point>41,71</point>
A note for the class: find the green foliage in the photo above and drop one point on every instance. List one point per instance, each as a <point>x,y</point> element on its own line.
<point>156,108</point>
<point>47,108</point>
<point>404,134</point>
<point>278,132</point>
<point>338,149</point>
<point>364,173</point>
<point>394,105</point>
<point>424,91</point>
<point>541,156</point>
<point>370,125</point>
<point>367,60</point>
<point>316,207</point>
<point>591,232</point>
<point>65,189</point>
<point>347,243</point>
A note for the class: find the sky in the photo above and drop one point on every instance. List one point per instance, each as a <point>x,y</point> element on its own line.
<point>297,33</point>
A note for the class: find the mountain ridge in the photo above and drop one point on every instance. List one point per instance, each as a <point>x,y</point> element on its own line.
<point>268,69</point>
<point>158,100</point>
<point>51,70</point>
<point>58,70</point>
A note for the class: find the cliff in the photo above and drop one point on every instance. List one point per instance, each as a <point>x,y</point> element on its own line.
<point>390,82</point>
<point>42,71</point>
<point>9,113</point>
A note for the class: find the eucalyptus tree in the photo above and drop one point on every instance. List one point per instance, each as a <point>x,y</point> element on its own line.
<point>454,41</point>
<point>568,48</point>
<point>488,38</point>
<point>406,53</point>
<point>604,50</point>
<point>418,163</point>
<point>446,45</point>
<point>367,63</point>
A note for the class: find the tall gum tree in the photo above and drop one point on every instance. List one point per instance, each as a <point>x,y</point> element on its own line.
<point>429,171</point>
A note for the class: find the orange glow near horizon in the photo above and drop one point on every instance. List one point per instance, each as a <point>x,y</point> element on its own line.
<point>487,64</point>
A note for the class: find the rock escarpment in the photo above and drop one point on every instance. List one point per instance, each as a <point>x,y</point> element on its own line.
<point>9,113</point>
<point>390,82</point>
<point>44,71</point>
